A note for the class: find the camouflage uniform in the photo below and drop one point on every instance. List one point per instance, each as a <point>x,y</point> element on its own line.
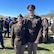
<point>34,27</point>
<point>19,37</point>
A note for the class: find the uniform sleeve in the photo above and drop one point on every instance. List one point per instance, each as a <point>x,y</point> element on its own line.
<point>13,35</point>
<point>40,29</point>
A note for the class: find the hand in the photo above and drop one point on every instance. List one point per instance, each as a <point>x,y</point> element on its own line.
<point>36,42</point>
<point>13,45</point>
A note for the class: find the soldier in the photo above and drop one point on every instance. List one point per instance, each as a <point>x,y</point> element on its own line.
<point>19,35</point>
<point>34,27</point>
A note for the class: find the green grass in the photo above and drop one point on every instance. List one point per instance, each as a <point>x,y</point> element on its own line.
<point>42,48</point>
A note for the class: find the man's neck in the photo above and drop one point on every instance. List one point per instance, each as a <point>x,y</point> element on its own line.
<point>31,16</point>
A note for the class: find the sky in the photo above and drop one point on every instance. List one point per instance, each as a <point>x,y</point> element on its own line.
<point>15,7</point>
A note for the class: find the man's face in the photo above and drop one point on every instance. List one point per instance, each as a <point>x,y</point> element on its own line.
<point>44,20</point>
<point>31,12</point>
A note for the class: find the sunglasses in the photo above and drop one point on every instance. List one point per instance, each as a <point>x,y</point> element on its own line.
<point>30,10</point>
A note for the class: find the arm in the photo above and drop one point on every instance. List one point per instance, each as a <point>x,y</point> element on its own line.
<point>39,32</point>
<point>13,36</point>
<point>38,37</point>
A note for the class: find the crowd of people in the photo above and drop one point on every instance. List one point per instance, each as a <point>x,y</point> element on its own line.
<point>25,31</point>
<point>5,27</point>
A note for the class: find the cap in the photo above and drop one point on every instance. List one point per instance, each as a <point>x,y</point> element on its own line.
<point>20,15</point>
<point>31,6</point>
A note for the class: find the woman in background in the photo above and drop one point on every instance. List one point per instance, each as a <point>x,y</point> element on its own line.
<point>45,30</point>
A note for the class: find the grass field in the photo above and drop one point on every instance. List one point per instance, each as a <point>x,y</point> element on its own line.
<point>42,48</point>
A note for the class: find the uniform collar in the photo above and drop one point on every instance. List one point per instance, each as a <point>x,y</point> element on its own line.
<point>32,17</point>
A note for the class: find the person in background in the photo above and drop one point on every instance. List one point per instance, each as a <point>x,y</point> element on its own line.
<point>6,27</point>
<point>52,28</point>
<point>34,28</point>
<point>9,19</point>
<point>45,30</point>
<point>1,37</point>
<point>2,23</point>
<point>14,21</point>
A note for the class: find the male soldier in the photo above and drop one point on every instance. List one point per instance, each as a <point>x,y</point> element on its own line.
<point>34,27</point>
<point>19,37</point>
<point>1,37</point>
